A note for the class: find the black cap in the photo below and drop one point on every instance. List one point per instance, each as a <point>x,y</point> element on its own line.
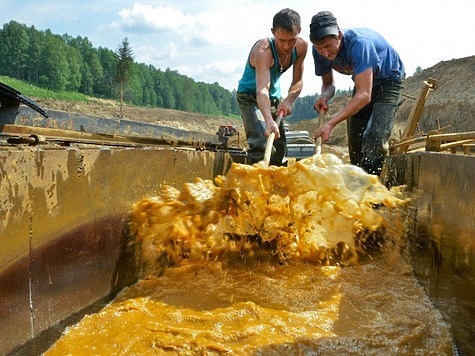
<point>323,24</point>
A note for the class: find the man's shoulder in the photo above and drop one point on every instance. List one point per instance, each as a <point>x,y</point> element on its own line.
<point>359,33</point>
<point>262,46</point>
<point>263,42</point>
<point>301,46</point>
<point>302,42</point>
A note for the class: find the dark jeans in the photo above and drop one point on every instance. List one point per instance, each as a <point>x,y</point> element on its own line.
<point>369,129</point>
<point>255,128</point>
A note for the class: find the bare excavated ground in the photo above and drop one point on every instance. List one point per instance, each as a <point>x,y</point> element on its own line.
<point>450,106</point>
<point>166,117</point>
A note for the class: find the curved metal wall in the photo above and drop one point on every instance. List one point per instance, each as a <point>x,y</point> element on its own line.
<point>442,233</point>
<point>63,226</point>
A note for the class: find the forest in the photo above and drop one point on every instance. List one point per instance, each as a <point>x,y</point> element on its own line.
<point>63,63</point>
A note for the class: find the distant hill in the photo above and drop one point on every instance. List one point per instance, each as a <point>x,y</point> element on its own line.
<point>451,103</point>
<point>453,100</point>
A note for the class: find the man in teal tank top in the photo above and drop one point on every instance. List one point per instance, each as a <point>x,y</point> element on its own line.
<point>259,95</point>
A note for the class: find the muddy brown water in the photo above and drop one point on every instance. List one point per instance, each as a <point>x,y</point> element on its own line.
<point>376,308</point>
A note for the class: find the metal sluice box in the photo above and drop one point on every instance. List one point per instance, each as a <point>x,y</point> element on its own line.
<point>65,245</point>
<point>64,223</point>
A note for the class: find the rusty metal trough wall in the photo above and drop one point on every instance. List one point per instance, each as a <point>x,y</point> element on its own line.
<point>442,233</point>
<point>26,117</point>
<point>63,226</point>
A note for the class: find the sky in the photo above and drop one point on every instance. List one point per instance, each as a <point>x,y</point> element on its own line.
<point>209,40</point>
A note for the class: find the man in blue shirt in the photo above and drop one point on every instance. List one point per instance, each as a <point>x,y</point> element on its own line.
<point>259,94</point>
<point>378,74</point>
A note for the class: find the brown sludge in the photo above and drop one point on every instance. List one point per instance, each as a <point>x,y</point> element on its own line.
<point>284,260</point>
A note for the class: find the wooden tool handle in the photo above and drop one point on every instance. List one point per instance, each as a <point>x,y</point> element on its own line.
<point>270,139</point>
<point>319,141</point>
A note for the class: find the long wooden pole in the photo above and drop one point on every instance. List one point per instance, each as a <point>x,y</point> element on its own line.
<point>318,143</point>
<point>416,112</point>
<point>270,139</point>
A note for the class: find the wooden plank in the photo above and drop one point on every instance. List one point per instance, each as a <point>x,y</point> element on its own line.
<point>455,144</point>
<point>455,136</point>
<point>435,143</point>
<point>82,137</point>
<point>410,141</point>
<point>416,112</point>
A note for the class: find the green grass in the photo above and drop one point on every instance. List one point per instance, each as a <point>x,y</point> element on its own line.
<point>33,91</point>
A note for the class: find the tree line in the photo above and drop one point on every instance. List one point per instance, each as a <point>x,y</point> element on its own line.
<point>64,63</point>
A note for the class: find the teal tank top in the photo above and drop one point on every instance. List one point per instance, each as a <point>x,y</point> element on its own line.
<point>247,84</point>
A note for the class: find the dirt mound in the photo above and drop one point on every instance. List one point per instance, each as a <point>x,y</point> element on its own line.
<point>166,117</point>
<point>451,103</point>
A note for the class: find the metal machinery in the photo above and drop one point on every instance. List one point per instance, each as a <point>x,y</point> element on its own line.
<point>299,144</point>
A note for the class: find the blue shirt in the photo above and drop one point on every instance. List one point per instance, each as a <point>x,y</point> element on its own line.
<point>362,48</point>
<point>248,84</point>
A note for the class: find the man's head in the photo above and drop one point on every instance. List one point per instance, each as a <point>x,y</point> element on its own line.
<point>323,24</point>
<point>288,20</point>
<point>286,28</point>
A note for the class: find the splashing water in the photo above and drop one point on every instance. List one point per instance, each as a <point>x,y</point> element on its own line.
<point>314,210</point>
